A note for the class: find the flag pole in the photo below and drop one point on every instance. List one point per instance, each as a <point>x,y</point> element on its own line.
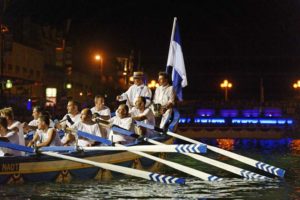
<point>173,30</point>
<point>171,40</point>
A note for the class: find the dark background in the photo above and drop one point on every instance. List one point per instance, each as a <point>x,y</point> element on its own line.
<point>243,41</point>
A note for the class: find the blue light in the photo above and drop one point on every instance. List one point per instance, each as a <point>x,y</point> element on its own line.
<point>205,112</point>
<point>229,112</point>
<point>268,121</point>
<point>29,104</point>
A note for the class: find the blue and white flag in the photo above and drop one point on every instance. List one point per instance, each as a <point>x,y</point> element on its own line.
<point>176,62</point>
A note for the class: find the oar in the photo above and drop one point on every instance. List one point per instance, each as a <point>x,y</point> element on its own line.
<point>236,170</point>
<point>227,167</point>
<point>182,168</point>
<point>146,148</point>
<point>124,170</point>
<point>150,148</point>
<point>257,164</point>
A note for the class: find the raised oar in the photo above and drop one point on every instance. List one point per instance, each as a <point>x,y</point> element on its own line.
<point>236,170</point>
<point>182,168</point>
<point>257,164</point>
<point>120,169</point>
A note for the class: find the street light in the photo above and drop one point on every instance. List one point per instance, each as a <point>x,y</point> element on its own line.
<point>99,59</point>
<point>8,84</point>
<point>152,85</point>
<point>226,85</point>
<point>296,85</point>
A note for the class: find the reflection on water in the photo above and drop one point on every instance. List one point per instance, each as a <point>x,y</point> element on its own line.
<point>227,144</point>
<point>283,154</point>
<point>295,146</point>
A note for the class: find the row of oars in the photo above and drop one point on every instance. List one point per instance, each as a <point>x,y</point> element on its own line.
<point>189,150</point>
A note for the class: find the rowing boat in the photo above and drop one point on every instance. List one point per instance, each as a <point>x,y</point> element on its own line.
<point>36,167</point>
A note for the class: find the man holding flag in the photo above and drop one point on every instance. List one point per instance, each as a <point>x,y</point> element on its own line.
<point>164,97</point>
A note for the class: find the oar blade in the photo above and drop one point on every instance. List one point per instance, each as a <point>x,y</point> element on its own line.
<point>271,169</point>
<point>166,179</point>
<point>16,147</point>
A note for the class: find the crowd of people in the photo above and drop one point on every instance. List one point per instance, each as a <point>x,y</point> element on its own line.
<point>136,104</point>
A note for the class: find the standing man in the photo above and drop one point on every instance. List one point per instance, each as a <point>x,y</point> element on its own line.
<point>136,90</point>
<point>164,100</point>
<point>102,111</point>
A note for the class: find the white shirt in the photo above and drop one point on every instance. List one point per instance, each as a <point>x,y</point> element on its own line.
<point>134,92</point>
<point>125,123</point>
<point>44,137</point>
<point>103,112</point>
<point>33,122</point>
<point>147,113</point>
<point>13,137</point>
<point>91,129</point>
<point>17,124</point>
<point>74,118</point>
<point>150,119</point>
<point>164,95</point>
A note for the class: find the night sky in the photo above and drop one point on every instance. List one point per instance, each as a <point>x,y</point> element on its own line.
<point>243,40</point>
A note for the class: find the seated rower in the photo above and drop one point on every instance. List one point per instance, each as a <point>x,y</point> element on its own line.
<point>8,136</point>
<point>141,113</point>
<point>102,111</point>
<point>123,120</point>
<point>85,124</point>
<point>45,136</point>
<point>13,124</point>
<point>71,117</point>
<point>32,125</point>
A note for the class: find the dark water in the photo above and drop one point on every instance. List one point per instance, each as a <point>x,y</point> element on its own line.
<point>281,153</point>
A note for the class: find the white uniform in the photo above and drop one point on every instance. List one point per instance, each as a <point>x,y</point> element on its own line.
<point>74,118</point>
<point>125,123</point>
<point>91,129</point>
<point>134,92</point>
<point>164,95</point>
<point>44,137</point>
<point>103,112</point>
<point>149,118</point>
<point>17,124</point>
<point>13,137</point>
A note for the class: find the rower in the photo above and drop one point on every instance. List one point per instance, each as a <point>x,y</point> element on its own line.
<point>13,124</point>
<point>8,136</point>
<point>101,111</point>
<point>123,120</point>
<point>70,118</point>
<point>136,90</point>
<point>45,136</point>
<point>85,124</point>
<point>141,113</point>
<point>32,125</point>
<point>163,101</point>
